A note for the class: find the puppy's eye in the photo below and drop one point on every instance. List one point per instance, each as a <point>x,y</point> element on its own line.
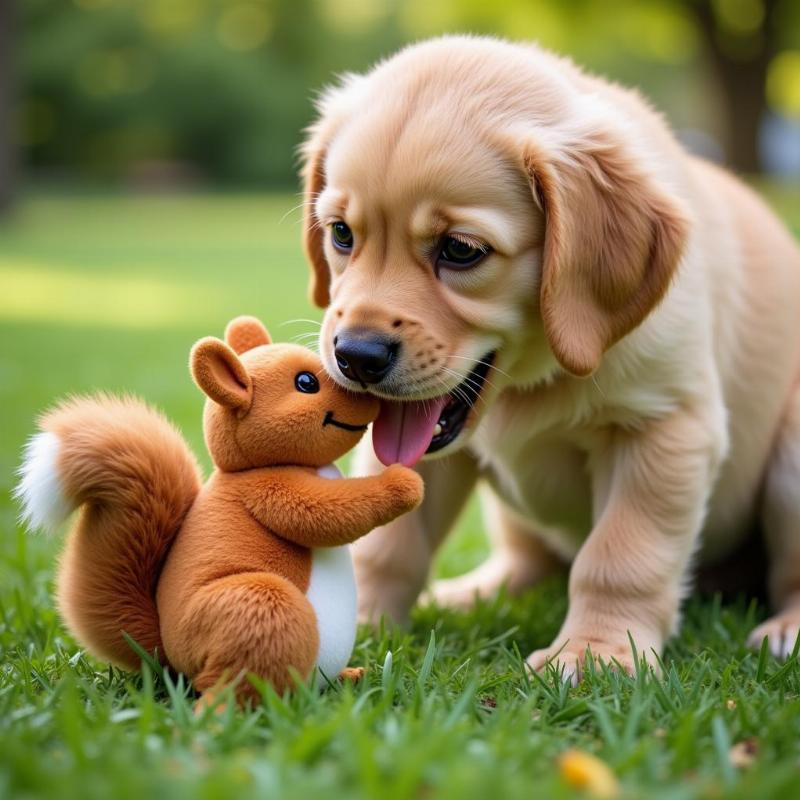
<point>460,254</point>
<point>306,382</point>
<point>342,237</point>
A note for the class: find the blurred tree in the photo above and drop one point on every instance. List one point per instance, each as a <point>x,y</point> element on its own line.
<point>741,38</point>
<point>6,105</point>
<point>216,89</point>
<point>221,89</point>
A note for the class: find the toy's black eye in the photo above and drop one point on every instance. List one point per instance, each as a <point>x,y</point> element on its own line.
<point>306,382</point>
<point>342,237</point>
<point>458,254</point>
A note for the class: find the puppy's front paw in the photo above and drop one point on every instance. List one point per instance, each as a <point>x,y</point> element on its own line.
<point>569,656</point>
<point>449,594</point>
<point>781,631</point>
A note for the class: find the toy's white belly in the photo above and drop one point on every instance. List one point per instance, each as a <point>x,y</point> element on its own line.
<point>332,593</point>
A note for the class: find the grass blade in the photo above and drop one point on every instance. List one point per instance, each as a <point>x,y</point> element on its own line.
<point>427,662</point>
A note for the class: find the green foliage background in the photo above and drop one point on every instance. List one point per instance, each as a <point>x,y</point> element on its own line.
<point>223,87</point>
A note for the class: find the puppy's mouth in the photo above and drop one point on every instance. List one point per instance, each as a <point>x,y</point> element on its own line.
<point>405,431</point>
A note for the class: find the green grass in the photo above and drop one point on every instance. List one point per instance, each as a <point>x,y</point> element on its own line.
<point>110,292</point>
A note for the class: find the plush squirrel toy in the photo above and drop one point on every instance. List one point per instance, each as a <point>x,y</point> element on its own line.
<point>248,573</point>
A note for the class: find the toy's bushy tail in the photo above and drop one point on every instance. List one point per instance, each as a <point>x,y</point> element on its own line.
<point>134,479</point>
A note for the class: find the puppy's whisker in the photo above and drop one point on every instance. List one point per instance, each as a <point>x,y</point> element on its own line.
<point>306,335</point>
<point>440,382</point>
<point>304,203</point>
<point>458,391</point>
<point>471,382</point>
<point>462,396</point>
<point>460,378</point>
<point>491,366</point>
<point>475,384</point>
<point>290,211</point>
<point>486,380</point>
<point>309,339</point>
<point>443,385</point>
<point>299,320</point>
<point>308,343</point>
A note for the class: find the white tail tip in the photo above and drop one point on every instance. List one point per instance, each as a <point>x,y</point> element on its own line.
<point>39,490</point>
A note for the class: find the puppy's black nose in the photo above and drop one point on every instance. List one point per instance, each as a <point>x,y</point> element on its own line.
<point>364,356</point>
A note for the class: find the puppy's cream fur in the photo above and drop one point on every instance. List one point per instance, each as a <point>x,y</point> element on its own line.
<point>645,310</point>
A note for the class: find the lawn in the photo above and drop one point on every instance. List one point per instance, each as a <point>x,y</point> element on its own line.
<point>110,292</point>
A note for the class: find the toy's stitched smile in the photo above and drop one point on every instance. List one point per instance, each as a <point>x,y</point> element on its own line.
<point>331,420</point>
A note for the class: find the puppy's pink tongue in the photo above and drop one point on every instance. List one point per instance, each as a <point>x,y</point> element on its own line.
<point>403,431</point>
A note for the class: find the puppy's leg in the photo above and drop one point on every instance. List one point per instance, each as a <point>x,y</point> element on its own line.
<point>781,516</point>
<point>392,562</point>
<point>651,489</point>
<point>519,559</point>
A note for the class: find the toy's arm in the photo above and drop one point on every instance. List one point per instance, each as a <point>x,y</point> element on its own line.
<point>320,512</point>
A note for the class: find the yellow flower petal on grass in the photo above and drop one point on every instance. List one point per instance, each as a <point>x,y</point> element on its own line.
<point>585,771</point>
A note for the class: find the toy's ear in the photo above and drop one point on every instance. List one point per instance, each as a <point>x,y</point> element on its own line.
<point>217,370</point>
<point>245,333</point>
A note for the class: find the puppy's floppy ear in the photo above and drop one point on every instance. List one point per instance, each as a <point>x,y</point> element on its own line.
<point>336,105</point>
<point>613,240</point>
<point>313,175</point>
<point>219,373</point>
<point>244,333</point>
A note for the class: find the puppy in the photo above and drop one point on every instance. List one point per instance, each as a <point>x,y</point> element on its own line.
<point>551,297</point>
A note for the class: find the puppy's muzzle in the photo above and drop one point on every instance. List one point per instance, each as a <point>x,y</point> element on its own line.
<point>365,356</point>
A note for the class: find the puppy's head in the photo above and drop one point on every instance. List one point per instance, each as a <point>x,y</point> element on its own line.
<point>473,220</point>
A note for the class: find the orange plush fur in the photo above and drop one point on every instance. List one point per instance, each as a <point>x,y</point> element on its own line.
<point>214,576</point>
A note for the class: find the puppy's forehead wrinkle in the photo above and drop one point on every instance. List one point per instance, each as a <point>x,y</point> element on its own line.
<point>430,183</point>
<point>422,141</point>
<point>483,75</point>
<point>433,99</point>
<point>332,202</point>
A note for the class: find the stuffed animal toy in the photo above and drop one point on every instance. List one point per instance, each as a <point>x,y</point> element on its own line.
<point>248,573</point>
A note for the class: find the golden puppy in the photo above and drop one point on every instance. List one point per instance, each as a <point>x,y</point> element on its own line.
<point>550,295</point>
